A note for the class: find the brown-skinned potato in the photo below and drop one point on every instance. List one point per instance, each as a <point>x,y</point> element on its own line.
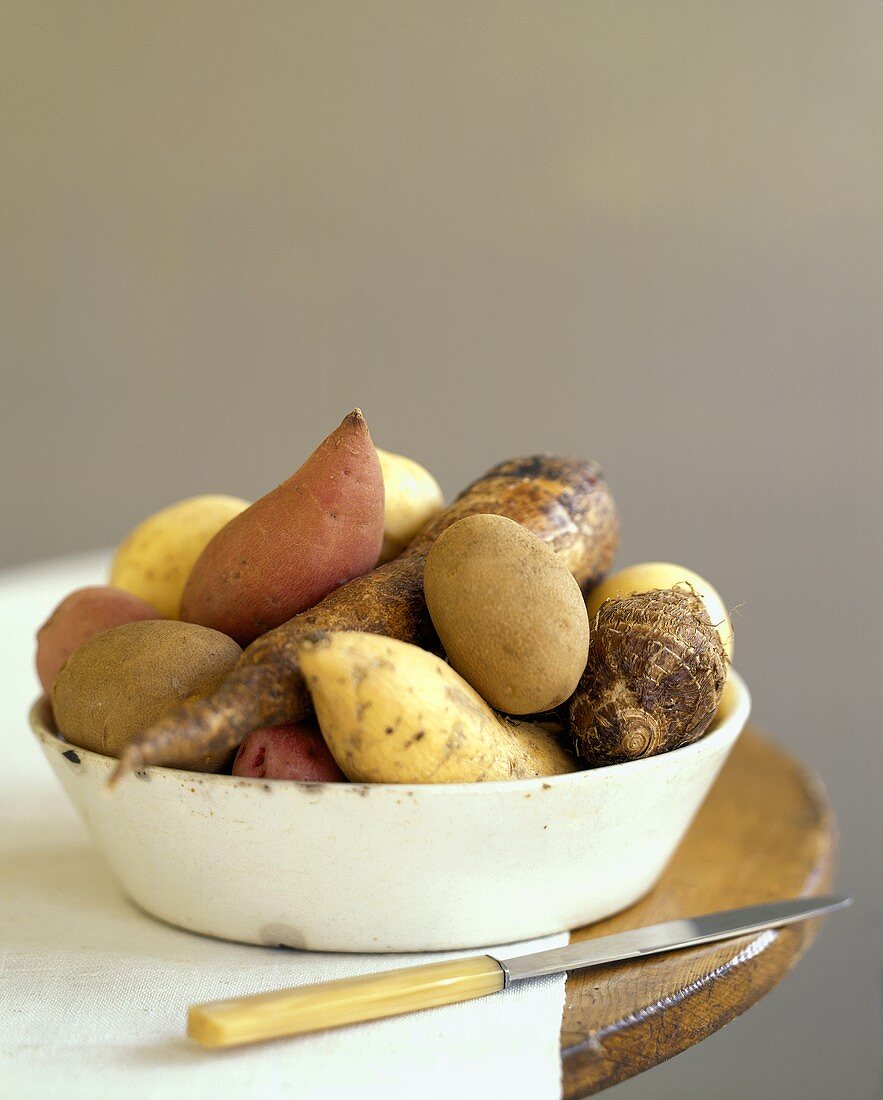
<point>508,612</point>
<point>132,675</point>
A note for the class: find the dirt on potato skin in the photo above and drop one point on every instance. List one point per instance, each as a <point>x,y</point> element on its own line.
<point>654,677</point>
<point>564,501</point>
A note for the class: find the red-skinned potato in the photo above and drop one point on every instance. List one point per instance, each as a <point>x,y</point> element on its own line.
<point>296,751</point>
<point>316,531</point>
<point>79,617</point>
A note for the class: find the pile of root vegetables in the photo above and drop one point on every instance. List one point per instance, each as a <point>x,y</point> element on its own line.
<point>349,626</point>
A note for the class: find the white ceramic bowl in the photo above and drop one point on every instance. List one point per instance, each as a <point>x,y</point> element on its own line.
<point>380,867</point>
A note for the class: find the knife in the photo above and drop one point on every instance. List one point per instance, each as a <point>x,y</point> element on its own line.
<point>411,988</point>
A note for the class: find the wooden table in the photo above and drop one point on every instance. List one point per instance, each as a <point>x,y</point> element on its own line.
<point>765,832</point>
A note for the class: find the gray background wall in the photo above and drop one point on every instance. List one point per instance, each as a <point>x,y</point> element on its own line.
<point>650,233</point>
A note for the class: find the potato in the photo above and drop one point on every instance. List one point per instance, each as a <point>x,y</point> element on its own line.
<point>296,751</point>
<point>412,497</point>
<point>127,678</point>
<point>79,617</point>
<point>155,560</point>
<point>394,713</point>
<point>310,535</point>
<point>647,576</point>
<point>509,613</point>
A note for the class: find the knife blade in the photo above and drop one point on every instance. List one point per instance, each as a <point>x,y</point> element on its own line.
<point>408,989</point>
<point>672,935</point>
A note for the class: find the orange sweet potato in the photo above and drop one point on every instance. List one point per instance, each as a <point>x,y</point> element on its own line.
<point>288,550</point>
<point>81,616</point>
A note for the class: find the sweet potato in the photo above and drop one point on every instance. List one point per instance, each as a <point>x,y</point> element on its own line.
<point>79,617</point>
<point>564,501</point>
<point>320,528</point>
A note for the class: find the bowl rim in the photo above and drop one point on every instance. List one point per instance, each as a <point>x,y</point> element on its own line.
<point>721,735</point>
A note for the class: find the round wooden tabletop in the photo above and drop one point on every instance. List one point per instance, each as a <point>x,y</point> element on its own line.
<point>765,832</point>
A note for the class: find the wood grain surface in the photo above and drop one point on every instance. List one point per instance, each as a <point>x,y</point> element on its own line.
<point>765,832</point>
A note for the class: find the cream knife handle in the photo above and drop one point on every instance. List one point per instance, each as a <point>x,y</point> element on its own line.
<point>347,1001</point>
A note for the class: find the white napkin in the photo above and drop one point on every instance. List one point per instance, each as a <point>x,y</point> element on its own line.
<point>93,994</point>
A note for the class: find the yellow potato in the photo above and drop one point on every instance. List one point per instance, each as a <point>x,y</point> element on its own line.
<point>412,497</point>
<point>155,560</point>
<point>648,575</point>
<point>393,713</point>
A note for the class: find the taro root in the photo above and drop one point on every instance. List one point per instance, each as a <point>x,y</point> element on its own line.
<point>654,678</point>
<point>649,575</point>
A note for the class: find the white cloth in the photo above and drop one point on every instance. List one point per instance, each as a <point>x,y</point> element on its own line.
<point>93,994</point>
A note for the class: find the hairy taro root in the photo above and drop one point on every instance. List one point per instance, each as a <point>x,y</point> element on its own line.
<point>654,678</point>
<point>647,576</point>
